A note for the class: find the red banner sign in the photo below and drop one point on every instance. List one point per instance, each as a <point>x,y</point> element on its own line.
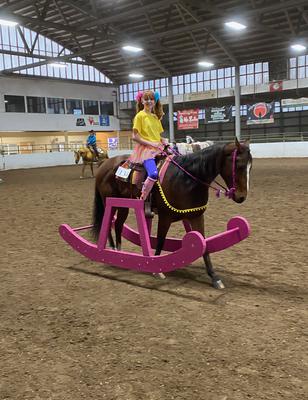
<point>276,86</point>
<point>188,119</point>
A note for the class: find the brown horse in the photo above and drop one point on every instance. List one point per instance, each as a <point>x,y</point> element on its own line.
<point>232,161</point>
<point>88,158</point>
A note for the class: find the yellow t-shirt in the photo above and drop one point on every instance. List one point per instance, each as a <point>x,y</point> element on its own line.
<point>148,126</point>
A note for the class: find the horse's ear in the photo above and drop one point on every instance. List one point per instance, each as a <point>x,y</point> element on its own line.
<point>237,143</point>
<point>247,143</point>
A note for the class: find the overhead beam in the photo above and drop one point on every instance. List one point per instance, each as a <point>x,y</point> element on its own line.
<point>215,36</point>
<point>134,12</point>
<point>40,23</point>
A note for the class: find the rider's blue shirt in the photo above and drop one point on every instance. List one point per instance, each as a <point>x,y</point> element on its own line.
<point>91,140</point>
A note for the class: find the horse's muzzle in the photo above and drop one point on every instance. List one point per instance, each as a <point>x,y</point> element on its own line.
<point>239,199</point>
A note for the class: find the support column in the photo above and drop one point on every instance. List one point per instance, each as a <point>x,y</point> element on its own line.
<point>170,105</point>
<point>237,95</point>
<point>66,143</point>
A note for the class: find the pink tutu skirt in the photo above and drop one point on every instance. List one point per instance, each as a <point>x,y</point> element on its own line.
<point>142,153</point>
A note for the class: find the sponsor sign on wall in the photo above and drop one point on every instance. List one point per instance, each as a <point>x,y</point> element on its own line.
<point>209,94</point>
<point>188,119</point>
<point>218,114</point>
<point>276,86</point>
<point>303,101</point>
<point>260,113</point>
<point>113,143</point>
<point>104,120</point>
<point>92,120</point>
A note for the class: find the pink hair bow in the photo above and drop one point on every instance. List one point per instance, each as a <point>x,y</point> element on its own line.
<point>139,96</point>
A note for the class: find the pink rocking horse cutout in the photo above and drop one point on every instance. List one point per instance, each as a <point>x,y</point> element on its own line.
<point>181,251</point>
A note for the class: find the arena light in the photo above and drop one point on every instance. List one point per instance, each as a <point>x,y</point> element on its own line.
<point>6,22</point>
<point>298,47</point>
<point>135,75</point>
<point>206,64</point>
<point>132,49</point>
<point>236,26</point>
<point>58,65</point>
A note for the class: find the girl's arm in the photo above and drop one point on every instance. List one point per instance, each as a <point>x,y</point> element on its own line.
<point>138,139</point>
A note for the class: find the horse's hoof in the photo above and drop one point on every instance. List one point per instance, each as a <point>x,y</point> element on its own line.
<point>218,284</point>
<point>81,177</point>
<point>160,275</point>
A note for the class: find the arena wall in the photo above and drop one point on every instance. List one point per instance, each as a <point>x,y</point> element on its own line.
<point>36,160</point>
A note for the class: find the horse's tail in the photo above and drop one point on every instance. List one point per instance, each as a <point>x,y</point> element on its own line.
<point>98,213</point>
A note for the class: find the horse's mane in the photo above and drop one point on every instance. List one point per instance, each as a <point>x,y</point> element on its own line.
<point>204,164</point>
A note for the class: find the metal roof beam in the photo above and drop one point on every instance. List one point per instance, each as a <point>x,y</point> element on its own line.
<point>135,12</point>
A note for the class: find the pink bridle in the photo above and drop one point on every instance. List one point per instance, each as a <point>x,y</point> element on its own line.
<point>229,192</point>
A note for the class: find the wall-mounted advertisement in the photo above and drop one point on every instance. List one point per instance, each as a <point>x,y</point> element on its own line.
<point>113,143</point>
<point>92,120</point>
<point>104,120</point>
<point>276,86</point>
<point>303,101</point>
<point>188,119</point>
<point>80,122</point>
<point>260,113</point>
<point>218,114</point>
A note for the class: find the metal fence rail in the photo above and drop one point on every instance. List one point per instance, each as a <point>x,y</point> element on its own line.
<point>125,144</point>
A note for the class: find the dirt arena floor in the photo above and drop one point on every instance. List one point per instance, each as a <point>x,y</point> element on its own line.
<point>72,329</point>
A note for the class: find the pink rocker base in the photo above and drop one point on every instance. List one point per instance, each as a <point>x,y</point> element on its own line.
<point>181,251</point>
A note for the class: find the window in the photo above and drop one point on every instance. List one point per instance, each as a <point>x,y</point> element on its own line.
<point>36,104</point>
<point>106,107</point>
<point>74,106</point>
<point>55,105</point>
<point>298,67</point>
<point>91,107</point>
<point>14,103</point>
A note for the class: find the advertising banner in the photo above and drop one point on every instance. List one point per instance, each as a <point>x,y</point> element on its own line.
<point>92,120</point>
<point>276,86</point>
<point>303,101</point>
<point>188,119</point>
<point>113,143</point>
<point>104,120</point>
<point>260,113</point>
<point>218,114</point>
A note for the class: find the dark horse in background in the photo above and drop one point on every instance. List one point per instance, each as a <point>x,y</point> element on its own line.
<point>181,191</point>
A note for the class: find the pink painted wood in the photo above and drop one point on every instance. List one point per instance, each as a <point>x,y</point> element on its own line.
<point>182,251</point>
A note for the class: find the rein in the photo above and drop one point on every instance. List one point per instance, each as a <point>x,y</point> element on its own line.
<point>228,191</point>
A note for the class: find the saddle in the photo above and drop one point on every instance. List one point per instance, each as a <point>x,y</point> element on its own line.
<point>134,175</point>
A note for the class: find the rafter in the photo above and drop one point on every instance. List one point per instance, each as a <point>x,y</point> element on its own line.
<point>215,36</point>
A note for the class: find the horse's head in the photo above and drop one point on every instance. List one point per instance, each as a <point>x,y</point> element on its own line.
<point>77,156</point>
<point>236,166</point>
<point>189,140</point>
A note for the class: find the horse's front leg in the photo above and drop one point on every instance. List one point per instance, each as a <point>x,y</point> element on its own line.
<point>197,224</point>
<point>82,171</point>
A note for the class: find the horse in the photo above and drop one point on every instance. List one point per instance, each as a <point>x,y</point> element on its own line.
<point>193,147</point>
<point>88,158</point>
<point>185,185</point>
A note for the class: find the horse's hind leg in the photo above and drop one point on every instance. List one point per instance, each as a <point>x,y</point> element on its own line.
<point>197,224</point>
<point>216,281</point>
<point>118,226</point>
